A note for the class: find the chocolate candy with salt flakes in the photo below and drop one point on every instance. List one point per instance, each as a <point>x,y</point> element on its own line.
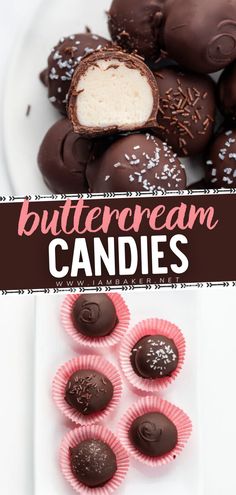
<point>187,110</point>
<point>136,162</point>
<point>153,434</point>
<point>221,161</point>
<point>112,91</point>
<point>62,159</point>
<point>94,315</point>
<point>93,462</point>
<point>154,356</point>
<point>226,92</point>
<point>88,391</point>
<point>135,26</point>
<point>63,60</point>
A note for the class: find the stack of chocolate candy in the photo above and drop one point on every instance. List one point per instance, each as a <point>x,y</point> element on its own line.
<point>135,106</point>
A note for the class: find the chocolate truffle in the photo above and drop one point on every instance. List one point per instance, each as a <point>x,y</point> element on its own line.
<point>221,161</point>
<point>63,60</point>
<point>154,356</point>
<point>187,110</point>
<point>112,91</point>
<point>88,391</point>
<point>94,315</point>
<point>226,91</point>
<point>201,37</point>
<point>137,162</point>
<point>93,462</point>
<point>153,434</point>
<point>63,157</point>
<point>135,26</point>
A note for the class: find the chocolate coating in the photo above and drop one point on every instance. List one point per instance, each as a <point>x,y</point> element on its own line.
<point>226,91</point>
<point>88,391</point>
<point>153,434</point>
<point>135,26</point>
<point>93,462</point>
<point>221,161</point>
<point>201,184</point>
<point>154,356</point>
<point>137,162</point>
<point>63,60</point>
<point>94,315</point>
<point>201,37</point>
<point>62,159</point>
<point>187,110</point>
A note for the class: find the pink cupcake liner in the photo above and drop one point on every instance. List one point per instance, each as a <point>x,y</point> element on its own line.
<point>173,413</point>
<point>152,326</point>
<point>123,315</point>
<point>63,374</point>
<point>94,432</point>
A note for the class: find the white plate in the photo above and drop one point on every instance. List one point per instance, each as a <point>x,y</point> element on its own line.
<point>22,134</point>
<point>53,347</point>
<point>204,389</point>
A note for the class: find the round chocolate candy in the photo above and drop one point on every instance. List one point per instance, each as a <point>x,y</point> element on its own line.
<point>93,462</point>
<point>62,159</point>
<point>187,110</point>
<point>226,91</point>
<point>136,162</point>
<point>135,26</point>
<point>112,91</point>
<point>94,315</point>
<point>153,434</point>
<point>201,37</point>
<point>154,356</point>
<point>88,391</point>
<point>63,60</point>
<point>221,161</point>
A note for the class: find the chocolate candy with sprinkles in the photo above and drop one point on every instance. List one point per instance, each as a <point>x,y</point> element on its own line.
<point>93,462</point>
<point>187,110</point>
<point>136,162</point>
<point>135,26</point>
<point>63,60</point>
<point>153,434</point>
<point>88,391</point>
<point>112,91</point>
<point>94,315</point>
<point>221,161</point>
<point>154,356</point>
<point>62,159</point>
<point>226,92</point>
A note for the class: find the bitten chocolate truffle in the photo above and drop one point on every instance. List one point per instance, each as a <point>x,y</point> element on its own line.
<point>93,462</point>
<point>62,159</point>
<point>153,434</point>
<point>154,356</point>
<point>63,60</point>
<point>94,315</point>
<point>221,161</point>
<point>135,26</point>
<point>187,110</point>
<point>137,162</point>
<point>112,91</point>
<point>88,391</point>
<point>226,91</point>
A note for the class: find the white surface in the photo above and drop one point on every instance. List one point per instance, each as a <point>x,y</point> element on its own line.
<point>199,390</point>
<point>53,19</point>
<point>16,384</point>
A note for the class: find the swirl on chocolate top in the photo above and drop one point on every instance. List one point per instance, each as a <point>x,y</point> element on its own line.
<point>153,434</point>
<point>94,315</point>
